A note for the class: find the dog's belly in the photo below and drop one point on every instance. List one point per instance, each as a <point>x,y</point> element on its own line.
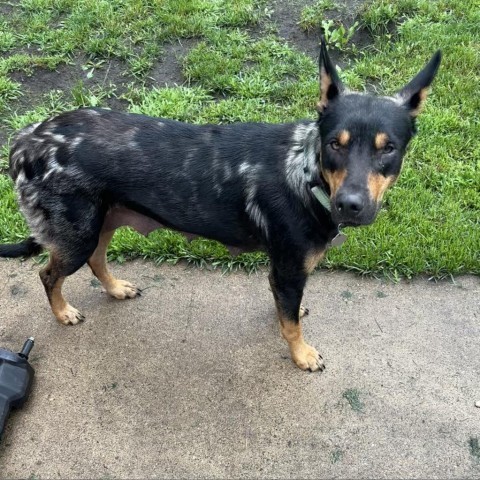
<point>124,217</point>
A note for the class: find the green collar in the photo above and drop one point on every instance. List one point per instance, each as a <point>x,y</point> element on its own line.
<point>322,197</point>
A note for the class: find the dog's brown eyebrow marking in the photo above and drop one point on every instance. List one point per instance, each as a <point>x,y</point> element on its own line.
<point>343,138</point>
<point>334,179</point>
<point>381,139</point>
<point>378,184</point>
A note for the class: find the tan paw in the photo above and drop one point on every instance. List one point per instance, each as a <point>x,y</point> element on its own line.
<point>122,289</point>
<point>69,315</point>
<point>303,312</point>
<point>307,357</point>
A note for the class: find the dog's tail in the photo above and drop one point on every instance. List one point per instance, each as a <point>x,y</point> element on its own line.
<point>27,248</point>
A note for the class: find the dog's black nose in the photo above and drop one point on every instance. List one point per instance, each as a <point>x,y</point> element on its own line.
<point>349,204</point>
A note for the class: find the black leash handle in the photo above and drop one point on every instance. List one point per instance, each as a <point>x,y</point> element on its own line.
<point>16,378</point>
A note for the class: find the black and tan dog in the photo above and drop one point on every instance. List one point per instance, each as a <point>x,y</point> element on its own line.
<point>82,174</point>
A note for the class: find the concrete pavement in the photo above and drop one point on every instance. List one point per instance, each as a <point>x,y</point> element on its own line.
<point>192,380</point>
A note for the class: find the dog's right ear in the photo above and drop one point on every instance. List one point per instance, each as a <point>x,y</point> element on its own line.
<point>330,84</point>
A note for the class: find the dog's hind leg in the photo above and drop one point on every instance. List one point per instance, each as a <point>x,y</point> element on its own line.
<point>98,263</point>
<point>60,266</point>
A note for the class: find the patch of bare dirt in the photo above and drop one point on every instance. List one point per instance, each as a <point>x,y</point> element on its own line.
<point>68,76</point>
<point>168,71</point>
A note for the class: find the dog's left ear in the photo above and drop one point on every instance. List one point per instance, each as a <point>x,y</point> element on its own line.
<point>413,95</point>
<point>330,84</point>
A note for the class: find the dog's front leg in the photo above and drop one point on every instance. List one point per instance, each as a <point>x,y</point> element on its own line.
<point>287,288</point>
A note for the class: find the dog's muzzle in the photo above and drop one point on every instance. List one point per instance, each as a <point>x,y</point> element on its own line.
<point>353,209</point>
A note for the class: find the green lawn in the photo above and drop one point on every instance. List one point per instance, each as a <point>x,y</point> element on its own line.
<point>431,219</point>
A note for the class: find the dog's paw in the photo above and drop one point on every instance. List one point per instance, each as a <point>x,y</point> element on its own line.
<point>307,357</point>
<point>304,311</point>
<point>122,289</point>
<point>69,315</point>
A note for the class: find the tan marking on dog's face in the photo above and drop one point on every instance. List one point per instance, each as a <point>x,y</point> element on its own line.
<point>334,179</point>
<point>378,184</point>
<point>312,260</point>
<point>381,139</point>
<point>343,138</point>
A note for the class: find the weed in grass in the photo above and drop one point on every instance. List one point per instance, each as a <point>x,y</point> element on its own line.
<point>9,90</point>
<point>311,16</point>
<point>377,16</point>
<point>337,34</point>
<point>142,63</point>
<point>90,97</point>
<point>7,37</point>
<point>91,66</point>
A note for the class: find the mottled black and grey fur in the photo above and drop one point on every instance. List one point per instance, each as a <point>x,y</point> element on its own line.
<point>82,174</point>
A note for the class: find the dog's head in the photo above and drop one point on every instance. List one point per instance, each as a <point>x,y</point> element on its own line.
<point>363,140</point>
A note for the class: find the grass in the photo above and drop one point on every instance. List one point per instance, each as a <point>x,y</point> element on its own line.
<point>430,223</point>
<point>312,15</point>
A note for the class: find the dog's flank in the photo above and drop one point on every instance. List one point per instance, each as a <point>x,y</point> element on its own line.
<point>82,174</point>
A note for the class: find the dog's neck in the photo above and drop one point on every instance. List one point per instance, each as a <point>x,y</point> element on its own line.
<point>301,163</point>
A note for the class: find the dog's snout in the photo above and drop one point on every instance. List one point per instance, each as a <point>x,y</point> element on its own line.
<point>350,204</point>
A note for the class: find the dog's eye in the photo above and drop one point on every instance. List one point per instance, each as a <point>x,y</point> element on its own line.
<point>334,145</point>
<point>388,148</point>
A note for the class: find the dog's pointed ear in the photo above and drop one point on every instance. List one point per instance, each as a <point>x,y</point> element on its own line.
<point>413,95</point>
<point>330,84</point>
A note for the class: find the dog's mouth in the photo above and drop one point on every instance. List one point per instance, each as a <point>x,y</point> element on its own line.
<point>350,224</point>
<point>350,211</point>
<point>363,219</point>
